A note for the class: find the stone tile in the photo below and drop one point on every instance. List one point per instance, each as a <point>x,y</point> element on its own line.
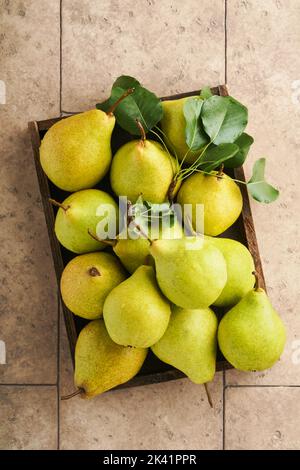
<point>263,69</point>
<point>170,46</point>
<point>29,417</point>
<point>264,418</point>
<point>28,299</point>
<point>169,415</point>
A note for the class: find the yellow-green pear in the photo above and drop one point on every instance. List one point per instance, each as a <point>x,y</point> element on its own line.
<point>143,168</point>
<point>80,213</point>
<point>135,312</point>
<point>190,343</point>
<point>190,272</point>
<point>75,152</point>
<point>251,335</point>
<point>240,267</point>
<point>173,126</point>
<point>87,280</point>
<point>133,252</point>
<point>101,364</point>
<point>220,196</point>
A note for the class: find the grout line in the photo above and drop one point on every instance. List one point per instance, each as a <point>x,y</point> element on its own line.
<point>58,370</point>
<point>225,81</point>
<point>58,296</point>
<point>69,112</point>
<point>225,38</point>
<point>60,56</point>
<point>224,405</point>
<point>261,386</point>
<point>27,385</point>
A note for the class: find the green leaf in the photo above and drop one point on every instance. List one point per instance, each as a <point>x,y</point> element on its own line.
<point>216,155</point>
<point>224,119</point>
<point>107,104</point>
<point>206,93</point>
<point>194,135</point>
<point>244,143</point>
<point>142,105</point>
<point>259,189</point>
<point>147,214</point>
<point>125,82</point>
<point>213,115</point>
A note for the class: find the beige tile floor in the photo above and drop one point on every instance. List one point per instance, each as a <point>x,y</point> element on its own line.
<point>62,56</point>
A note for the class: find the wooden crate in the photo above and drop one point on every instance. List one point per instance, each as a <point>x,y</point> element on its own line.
<point>153,370</point>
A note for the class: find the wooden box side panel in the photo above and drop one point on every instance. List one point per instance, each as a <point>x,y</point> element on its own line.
<point>50,219</point>
<point>246,220</point>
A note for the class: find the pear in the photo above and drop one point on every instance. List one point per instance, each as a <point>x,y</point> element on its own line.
<point>87,280</point>
<point>191,272</point>
<point>133,252</point>
<point>135,312</point>
<point>143,168</point>
<point>100,364</point>
<point>173,126</point>
<point>251,335</point>
<point>190,343</point>
<point>220,196</point>
<point>75,152</point>
<point>240,267</point>
<point>77,215</point>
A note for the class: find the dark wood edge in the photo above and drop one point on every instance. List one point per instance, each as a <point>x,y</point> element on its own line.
<point>246,219</point>
<point>50,219</point>
<point>215,91</point>
<point>166,376</point>
<point>47,123</point>
<point>246,226</point>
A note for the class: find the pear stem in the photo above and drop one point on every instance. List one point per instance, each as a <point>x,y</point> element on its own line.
<point>141,129</point>
<point>220,172</point>
<point>106,242</point>
<point>171,190</point>
<point>144,235</point>
<point>94,272</point>
<point>58,204</point>
<point>257,280</point>
<point>111,110</point>
<point>209,399</point>
<point>74,394</point>
<point>130,220</point>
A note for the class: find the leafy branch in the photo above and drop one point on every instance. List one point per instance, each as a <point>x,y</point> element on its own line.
<point>214,131</point>
<point>142,105</point>
<point>215,127</point>
<point>258,188</point>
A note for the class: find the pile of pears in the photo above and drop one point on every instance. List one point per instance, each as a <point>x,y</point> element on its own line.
<point>162,293</point>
